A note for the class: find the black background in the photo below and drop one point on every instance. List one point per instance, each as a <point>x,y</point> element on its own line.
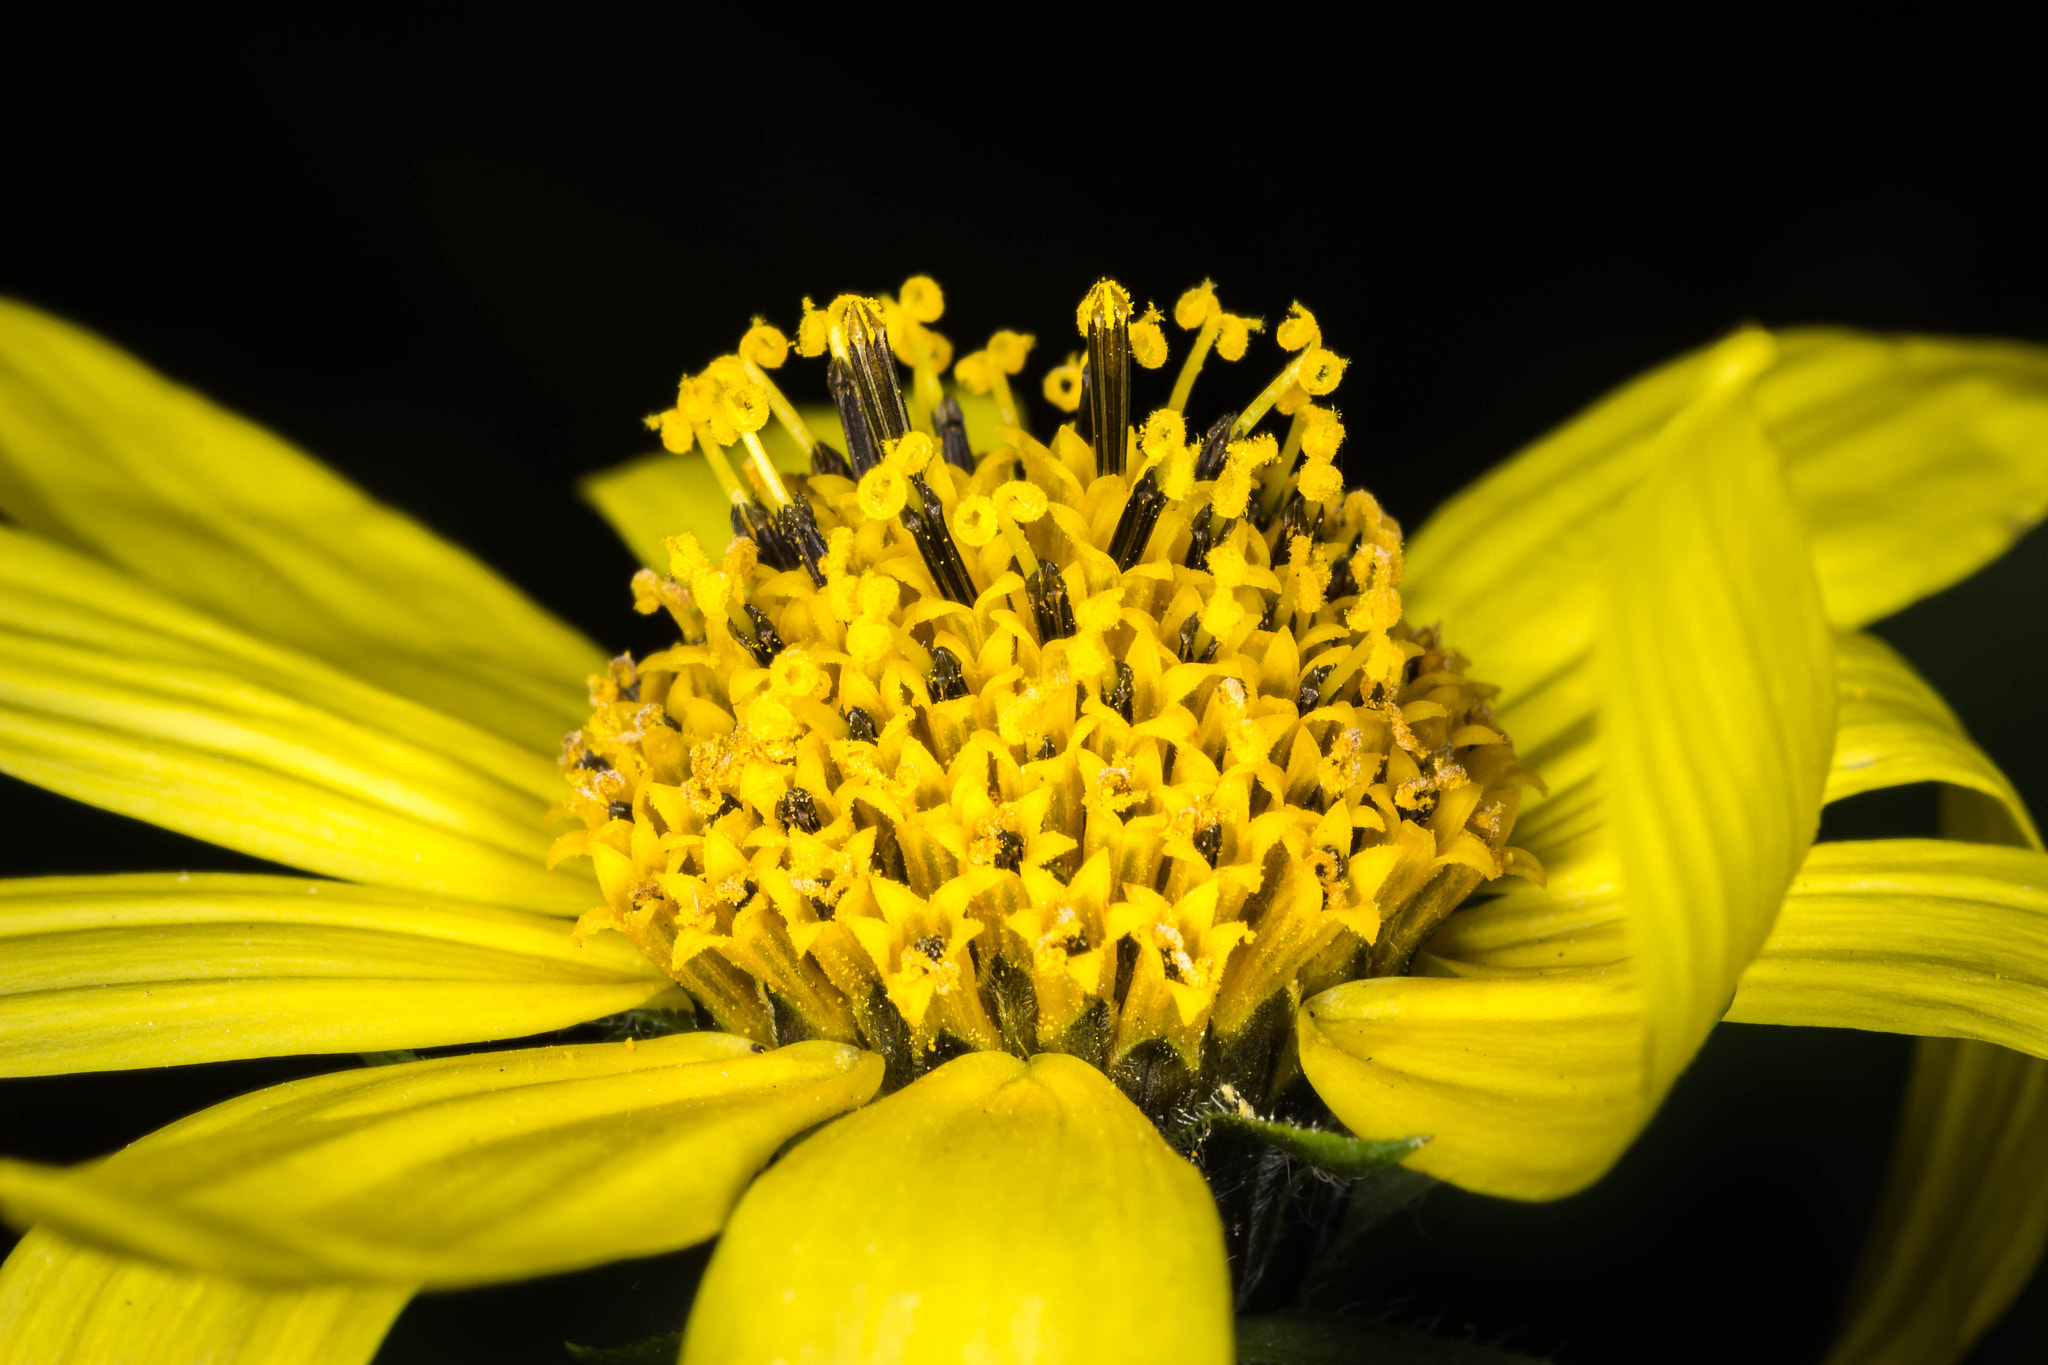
<point>461,269</point>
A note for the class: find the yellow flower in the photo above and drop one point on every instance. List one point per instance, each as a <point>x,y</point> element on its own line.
<point>1015,805</point>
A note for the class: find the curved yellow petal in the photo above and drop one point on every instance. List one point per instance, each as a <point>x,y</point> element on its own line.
<point>1965,1211</point>
<point>1893,729</point>
<point>1924,936</point>
<point>113,694</point>
<point>99,452</point>
<point>1527,1088</point>
<point>1717,710</point>
<point>465,1170</point>
<point>66,1304</point>
<point>1529,929</point>
<point>993,1211</point>
<point>111,973</point>
<point>1913,461</point>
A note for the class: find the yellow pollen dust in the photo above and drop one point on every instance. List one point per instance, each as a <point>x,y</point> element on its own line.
<point>1114,743</point>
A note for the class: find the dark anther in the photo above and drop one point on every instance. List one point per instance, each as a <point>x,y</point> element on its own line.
<point>822,909</point>
<point>1048,594</point>
<point>747,890</point>
<point>726,806</point>
<point>1209,842</point>
<point>924,516</point>
<point>1172,965</point>
<point>1185,643</point>
<point>1209,463</point>
<point>751,519</point>
<point>860,725</point>
<point>670,721</point>
<point>620,810</point>
<point>1141,514</point>
<point>1009,850</point>
<point>1203,533</point>
<point>1295,521</point>
<point>797,524</point>
<point>796,810</point>
<point>1046,748</point>
<point>1410,671</point>
<point>766,644</point>
<point>594,761</point>
<point>860,442</point>
<point>1272,610</point>
<point>952,425</point>
<point>1311,694</point>
<point>826,460</point>
<point>1342,584</point>
<point>874,375</point>
<point>945,680</point>
<point>1119,697</point>
<point>631,691</point>
<point>932,946</point>
<point>1357,840</point>
<point>1109,375</point>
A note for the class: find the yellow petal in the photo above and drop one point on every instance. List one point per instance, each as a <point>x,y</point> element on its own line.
<point>1527,1088</point>
<point>101,453</point>
<point>110,973</point>
<point>1914,461</point>
<point>114,694</point>
<point>1965,1209</point>
<point>66,1304</point>
<point>1717,715</point>
<point>1893,729</point>
<point>466,1170</point>
<point>993,1211</point>
<point>1923,936</point>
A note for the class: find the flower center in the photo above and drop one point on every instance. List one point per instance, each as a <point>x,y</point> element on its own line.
<point>1114,745</point>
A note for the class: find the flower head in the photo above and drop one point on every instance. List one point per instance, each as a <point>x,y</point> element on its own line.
<point>1114,744</point>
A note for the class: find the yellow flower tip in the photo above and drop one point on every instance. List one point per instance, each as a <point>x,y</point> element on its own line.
<point>1148,341</point>
<point>1234,336</point>
<point>1195,307</point>
<point>883,492</point>
<point>766,346</point>
<point>812,332</point>
<point>1029,749</point>
<point>973,373</point>
<point>1008,350</point>
<point>1299,330</point>
<point>1063,385</point>
<point>921,300</point>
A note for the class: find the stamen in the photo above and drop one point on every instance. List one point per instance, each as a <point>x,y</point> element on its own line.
<point>1106,322</point>
<point>863,343</point>
<point>952,425</point>
<point>861,449</point>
